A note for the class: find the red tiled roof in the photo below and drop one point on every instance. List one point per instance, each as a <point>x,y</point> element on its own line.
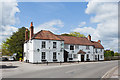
<point>81,52</point>
<point>46,35</point>
<point>75,40</point>
<point>97,45</point>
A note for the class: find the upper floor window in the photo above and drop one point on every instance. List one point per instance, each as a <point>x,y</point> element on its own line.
<point>87,47</point>
<point>101,50</point>
<point>43,55</point>
<point>43,44</point>
<point>66,46</point>
<point>96,50</point>
<point>71,47</point>
<point>54,44</point>
<point>54,55</point>
<point>76,46</point>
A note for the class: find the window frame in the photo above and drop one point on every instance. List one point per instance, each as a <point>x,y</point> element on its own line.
<point>87,47</point>
<point>54,56</point>
<point>43,57</point>
<point>72,47</point>
<point>54,45</point>
<point>43,44</point>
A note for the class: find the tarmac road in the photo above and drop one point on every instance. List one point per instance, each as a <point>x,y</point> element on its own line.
<point>91,70</point>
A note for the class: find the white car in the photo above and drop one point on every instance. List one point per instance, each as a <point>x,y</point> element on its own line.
<point>11,58</point>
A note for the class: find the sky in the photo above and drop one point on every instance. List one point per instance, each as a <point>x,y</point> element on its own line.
<point>99,19</point>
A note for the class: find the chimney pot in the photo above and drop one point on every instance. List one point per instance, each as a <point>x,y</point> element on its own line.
<point>31,30</point>
<point>99,41</point>
<point>26,34</point>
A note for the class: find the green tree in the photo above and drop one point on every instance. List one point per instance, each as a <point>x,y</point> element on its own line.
<point>14,44</point>
<point>75,34</point>
<point>116,54</point>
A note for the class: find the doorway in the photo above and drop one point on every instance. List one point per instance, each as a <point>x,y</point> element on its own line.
<point>82,58</point>
<point>98,57</point>
<point>65,55</point>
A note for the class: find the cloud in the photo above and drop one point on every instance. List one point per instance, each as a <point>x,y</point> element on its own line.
<point>82,24</point>
<point>8,18</point>
<point>53,26</point>
<point>106,17</point>
<point>88,30</point>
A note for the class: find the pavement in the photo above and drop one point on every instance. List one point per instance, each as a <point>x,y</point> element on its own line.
<point>113,73</point>
<point>55,70</point>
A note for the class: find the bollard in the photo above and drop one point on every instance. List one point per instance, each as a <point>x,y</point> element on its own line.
<point>47,62</point>
<point>78,61</point>
<point>60,62</point>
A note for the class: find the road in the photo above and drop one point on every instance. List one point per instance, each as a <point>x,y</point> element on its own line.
<point>91,70</point>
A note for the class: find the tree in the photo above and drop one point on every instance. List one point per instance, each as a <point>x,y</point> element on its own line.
<point>116,54</point>
<point>75,34</point>
<point>14,44</point>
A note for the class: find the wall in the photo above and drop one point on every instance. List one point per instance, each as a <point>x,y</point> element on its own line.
<point>49,50</point>
<point>81,47</point>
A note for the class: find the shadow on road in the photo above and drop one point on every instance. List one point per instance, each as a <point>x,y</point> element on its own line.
<point>6,67</point>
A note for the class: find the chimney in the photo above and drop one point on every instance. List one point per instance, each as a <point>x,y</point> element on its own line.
<point>89,37</point>
<point>99,41</point>
<point>31,30</point>
<point>26,34</point>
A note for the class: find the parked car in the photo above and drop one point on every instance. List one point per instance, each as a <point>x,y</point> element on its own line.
<point>4,59</point>
<point>11,58</point>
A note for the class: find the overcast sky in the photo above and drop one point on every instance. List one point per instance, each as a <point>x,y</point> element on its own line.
<point>99,19</point>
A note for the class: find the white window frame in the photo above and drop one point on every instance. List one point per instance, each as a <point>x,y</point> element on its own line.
<point>54,55</point>
<point>43,44</point>
<point>43,57</point>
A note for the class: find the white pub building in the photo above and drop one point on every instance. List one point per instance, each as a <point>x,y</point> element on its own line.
<point>44,46</point>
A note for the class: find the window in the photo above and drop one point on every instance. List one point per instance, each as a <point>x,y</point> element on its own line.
<point>101,50</point>
<point>96,50</point>
<point>43,44</point>
<point>54,55</point>
<point>87,56</point>
<point>43,55</point>
<point>66,46</point>
<point>76,46</point>
<point>70,55</point>
<point>101,56</point>
<point>71,47</point>
<point>88,51</point>
<point>87,47</point>
<point>54,44</point>
<point>75,55</point>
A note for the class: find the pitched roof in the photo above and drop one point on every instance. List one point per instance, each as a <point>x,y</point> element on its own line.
<point>81,52</point>
<point>75,40</point>
<point>97,45</point>
<point>46,35</point>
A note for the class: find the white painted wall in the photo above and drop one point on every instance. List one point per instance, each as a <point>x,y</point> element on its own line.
<point>35,56</point>
<point>32,54</point>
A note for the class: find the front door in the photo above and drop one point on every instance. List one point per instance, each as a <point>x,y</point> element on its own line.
<point>82,58</point>
<point>65,55</point>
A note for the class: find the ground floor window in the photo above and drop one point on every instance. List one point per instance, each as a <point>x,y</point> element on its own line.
<point>54,55</point>
<point>75,55</point>
<point>70,55</point>
<point>43,55</point>
<point>101,56</point>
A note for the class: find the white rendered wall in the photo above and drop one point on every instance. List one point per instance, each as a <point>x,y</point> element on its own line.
<point>81,47</point>
<point>48,50</point>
